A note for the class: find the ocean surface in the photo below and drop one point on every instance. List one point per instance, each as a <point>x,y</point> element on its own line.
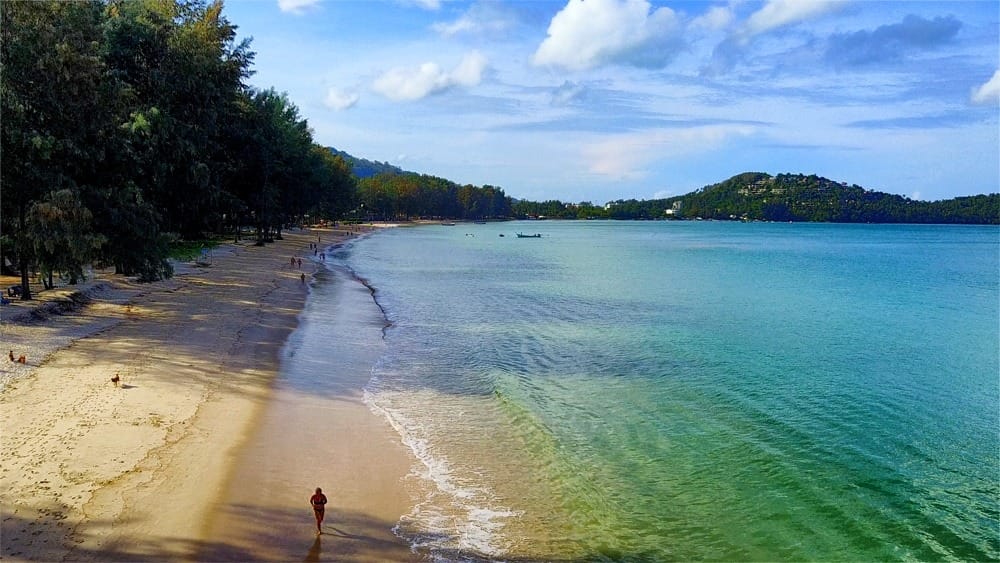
<point>649,391</point>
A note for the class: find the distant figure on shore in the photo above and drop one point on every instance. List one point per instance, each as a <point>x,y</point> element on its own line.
<point>318,502</point>
<point>22,359</point>
<point>11,355</point>
<point>116,379</point>
<point>300,262</point>
<point>303,277</point>
<point>292,263</point>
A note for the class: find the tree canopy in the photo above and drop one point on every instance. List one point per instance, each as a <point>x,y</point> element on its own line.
<point>129,123</point>
<point>391,196</point>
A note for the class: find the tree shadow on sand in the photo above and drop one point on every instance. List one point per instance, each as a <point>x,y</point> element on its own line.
<point>349,537</point>
<point>289,535</point>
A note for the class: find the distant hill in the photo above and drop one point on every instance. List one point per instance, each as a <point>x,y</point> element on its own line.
<point>750,196</point>
<point>797,197</point>
<point>364,168</point>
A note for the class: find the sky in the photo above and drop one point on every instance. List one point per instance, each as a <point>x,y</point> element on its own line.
<point>600,100</point>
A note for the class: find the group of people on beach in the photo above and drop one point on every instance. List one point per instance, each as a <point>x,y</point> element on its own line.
<point>315,248</point>
<point>297,262</point>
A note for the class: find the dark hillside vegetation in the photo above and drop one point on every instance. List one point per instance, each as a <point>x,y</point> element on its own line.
<point>756,196</point>
<point>797,197</point>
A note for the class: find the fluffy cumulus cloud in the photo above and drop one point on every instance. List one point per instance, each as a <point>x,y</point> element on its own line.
<point>407,84</point>
<point>340,99</point>
<point>988,93</point>
<point>592,33</point>
<point>296,6</point>
<point>893,41</point>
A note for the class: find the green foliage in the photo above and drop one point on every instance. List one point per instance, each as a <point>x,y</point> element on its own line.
<point>756,196</point>
<point>408,195</point>
<point>54,99</point>
<point>188,250</point>
<point>364,168</point>
<point>61,231</point>
<point>127,125</point>
<point>798,197</point>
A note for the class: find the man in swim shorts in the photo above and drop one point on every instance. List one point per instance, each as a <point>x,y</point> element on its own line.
<point>318,502</point>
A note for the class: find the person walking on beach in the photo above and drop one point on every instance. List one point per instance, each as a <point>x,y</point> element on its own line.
<point>318,502</point>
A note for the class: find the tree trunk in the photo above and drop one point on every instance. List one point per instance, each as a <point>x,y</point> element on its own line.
<point>22,259</point>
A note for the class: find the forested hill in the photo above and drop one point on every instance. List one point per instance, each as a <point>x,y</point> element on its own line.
<point>797,197</point>
<point>364,168</point>
<point>756,196</point>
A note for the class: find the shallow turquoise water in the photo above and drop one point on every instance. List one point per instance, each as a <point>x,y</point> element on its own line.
<point>658,391</point>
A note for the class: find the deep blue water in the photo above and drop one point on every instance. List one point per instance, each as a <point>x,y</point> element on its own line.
<point>683,390</point>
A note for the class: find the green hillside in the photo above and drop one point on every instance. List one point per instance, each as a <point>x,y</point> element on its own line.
<point>797,197</point>
<point>364,168</point>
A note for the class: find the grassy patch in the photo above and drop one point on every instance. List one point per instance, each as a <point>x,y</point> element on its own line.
<point>187,250</point>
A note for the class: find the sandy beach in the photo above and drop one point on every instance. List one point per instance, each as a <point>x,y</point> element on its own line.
<point>146,469</point>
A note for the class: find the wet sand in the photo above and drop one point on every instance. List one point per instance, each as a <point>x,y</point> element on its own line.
<point>91,471</point>
<point>317,431</point>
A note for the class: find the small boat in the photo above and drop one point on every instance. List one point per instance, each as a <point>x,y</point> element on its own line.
<point>501,234</point>
<point>522,235</point>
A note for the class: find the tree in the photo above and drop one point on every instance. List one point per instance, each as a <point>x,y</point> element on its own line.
<point>332,183</point>
<point>183,72</point>
<point>60,228</point>
<point>51,69</point>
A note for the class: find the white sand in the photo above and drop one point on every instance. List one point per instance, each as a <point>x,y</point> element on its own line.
<point>91,471</point>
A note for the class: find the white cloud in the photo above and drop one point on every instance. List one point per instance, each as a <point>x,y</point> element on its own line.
<point>296,6</point>
<point>779,13</point>
<point>625,156</point>
<point>340,99</point>
<point>481,18</point>
<point>775,14</point>
<point>469,72</point>
<point>425,4</point>
<point>989,92</point>
<point>407,84</point>
<point>464,24</point>
<point>587,34</point>
<point>717,17</point>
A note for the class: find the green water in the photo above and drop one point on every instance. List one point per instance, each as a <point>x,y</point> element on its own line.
<point>664,391</point>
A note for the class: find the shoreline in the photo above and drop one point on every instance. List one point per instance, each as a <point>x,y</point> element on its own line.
<point>92,471</point>
<point>317,431</point>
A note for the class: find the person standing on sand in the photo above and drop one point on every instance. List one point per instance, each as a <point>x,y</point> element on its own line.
<point>318,502</point>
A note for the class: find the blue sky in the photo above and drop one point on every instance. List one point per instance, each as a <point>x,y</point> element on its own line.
<point>598,100</point>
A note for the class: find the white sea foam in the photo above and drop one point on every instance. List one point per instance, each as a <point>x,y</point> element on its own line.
<point>455,514</point>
